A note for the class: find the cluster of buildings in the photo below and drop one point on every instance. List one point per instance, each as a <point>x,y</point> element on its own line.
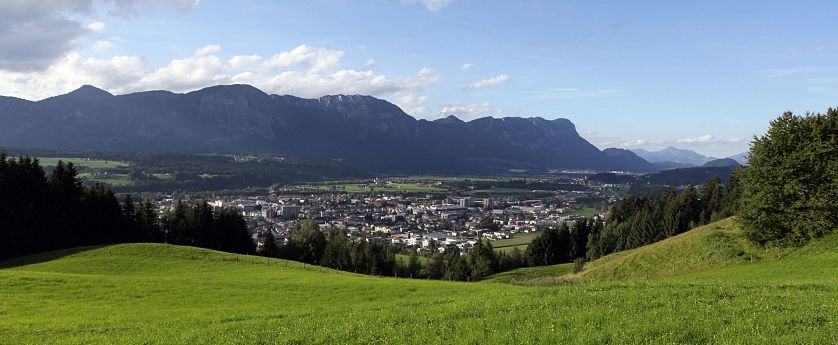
<point>429,222</point>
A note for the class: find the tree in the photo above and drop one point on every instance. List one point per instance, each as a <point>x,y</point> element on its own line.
<point>579,237</point>
<point>711,200</point>
<point>310,241</point>
<point>269,247</point>
<point>481,260</point>
<point>436,266</point>
<point>147,223</point>
<point>551,247</point>
<point>414,267</point>
<point>790,188</point>
<point>456,266</point>
<point>337,253</point>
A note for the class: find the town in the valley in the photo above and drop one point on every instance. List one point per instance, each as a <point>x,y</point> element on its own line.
<point>422,216</point>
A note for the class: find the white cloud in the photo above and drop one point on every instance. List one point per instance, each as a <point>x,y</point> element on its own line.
<point>207,50</point>
<point>244,61</point>
<point>306,72</point>
<point>466,66</point>
<point>430,5</point>
<point>468,112</point>
<point>36,34</point>
<point>69,73</point>
<point>103,44</point>
<point>499,79</point>
<point>704,139</point>
<point>642,143</point>
<point>318,59</point>
<point>370,64</point>
<point>96,26</point>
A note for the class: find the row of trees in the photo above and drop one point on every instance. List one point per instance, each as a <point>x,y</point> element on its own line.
<point>40,212</point>
<point>308,244</point>
<point>562,244</point>
<point>637,221</point>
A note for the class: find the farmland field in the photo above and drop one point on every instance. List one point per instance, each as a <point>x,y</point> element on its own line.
<point>83,162</point>
<point>164,294</point>
<point>521,238</point>
<point>370,188</point>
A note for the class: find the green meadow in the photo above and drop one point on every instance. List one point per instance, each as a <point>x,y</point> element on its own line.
<point>370,188</point>
<point>519,239</point>
<point>703,286</point>
<point>84,162</point>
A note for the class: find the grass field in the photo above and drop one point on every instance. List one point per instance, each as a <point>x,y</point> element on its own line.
<point>501,191</point>
<point>521,238</point>
<point>505,249</point>
<point>83,162</point>
<point>404,259</point>
<point>368,188</point>
<point>586,212</point>
<point>112,179</point>
<point>163,294</point>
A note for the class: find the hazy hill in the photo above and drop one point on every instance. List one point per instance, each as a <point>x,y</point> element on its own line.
<point>673,155</point>
<point>741,158</point>
<point>361,130</point>
<point>686,176</point>
<point>721,163</point>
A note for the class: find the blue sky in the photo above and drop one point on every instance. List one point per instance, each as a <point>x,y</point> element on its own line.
<point>701,75</point>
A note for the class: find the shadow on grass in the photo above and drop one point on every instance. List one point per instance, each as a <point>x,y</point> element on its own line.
<point>45,256</point>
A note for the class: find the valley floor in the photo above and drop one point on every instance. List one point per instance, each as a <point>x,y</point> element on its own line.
<point>163,294</point>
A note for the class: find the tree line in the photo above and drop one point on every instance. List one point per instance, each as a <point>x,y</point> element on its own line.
<point>307,243</point>
<point>638,221</point>
<point>42,212</point>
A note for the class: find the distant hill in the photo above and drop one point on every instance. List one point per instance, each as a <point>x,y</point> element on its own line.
<point>720,163</point>
<point>360,130</point>
<point>673,155</point>
<point>688,176</point>
<point>671,165</point>
<point>612,178</point>
<point>741,158</point>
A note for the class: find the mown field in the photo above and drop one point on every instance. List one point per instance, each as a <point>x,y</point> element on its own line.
<point>370,188</point>
<point>163,294</point>
<point>520,239</point>
<point>83,162</point>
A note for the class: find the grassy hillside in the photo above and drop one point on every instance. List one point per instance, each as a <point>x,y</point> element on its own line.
<point>716,251</point>
<point>163,294</point>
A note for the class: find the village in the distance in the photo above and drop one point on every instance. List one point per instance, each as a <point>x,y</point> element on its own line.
<point>421,215</point>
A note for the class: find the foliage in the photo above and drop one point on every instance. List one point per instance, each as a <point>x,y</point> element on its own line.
<point>791,186</point>
<point>41,213</point>
<point>637,221</point>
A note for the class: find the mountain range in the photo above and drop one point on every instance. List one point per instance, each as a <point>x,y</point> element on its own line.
<point>358,130</point>
<point>670,154</point>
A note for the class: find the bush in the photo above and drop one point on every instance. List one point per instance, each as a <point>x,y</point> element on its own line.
<point>578,265</point>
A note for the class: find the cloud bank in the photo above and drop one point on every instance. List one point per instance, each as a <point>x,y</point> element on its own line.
<point>36,34</point>
<point>304,71</point>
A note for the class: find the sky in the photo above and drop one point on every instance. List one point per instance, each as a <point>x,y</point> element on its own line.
<point>700,75</point>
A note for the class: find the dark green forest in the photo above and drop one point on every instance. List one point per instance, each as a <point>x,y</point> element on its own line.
<point>40,212</point>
